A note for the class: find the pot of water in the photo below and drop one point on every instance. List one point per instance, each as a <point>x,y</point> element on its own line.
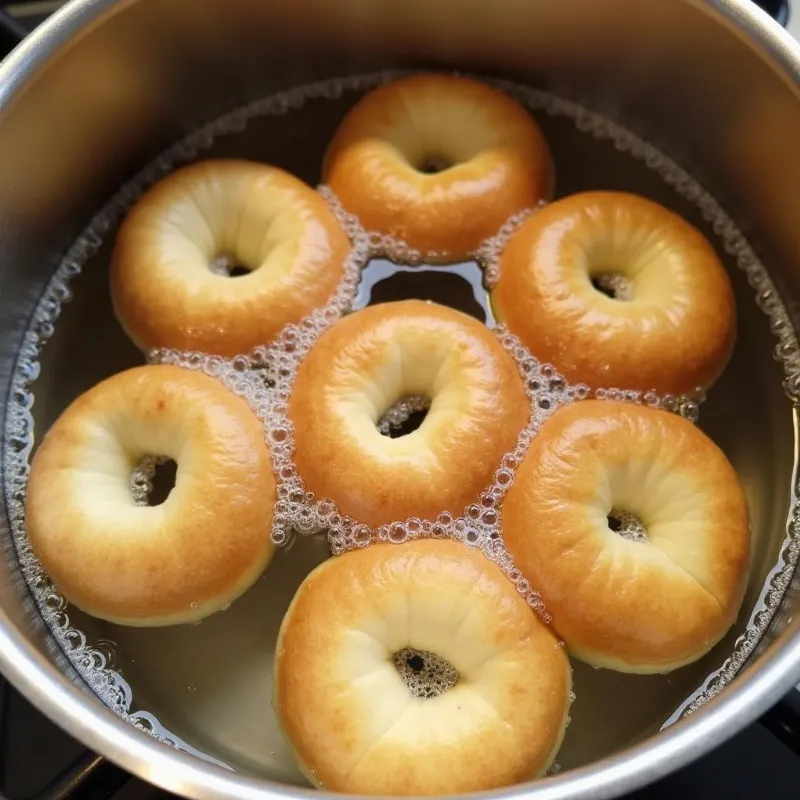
<point>694,105</point>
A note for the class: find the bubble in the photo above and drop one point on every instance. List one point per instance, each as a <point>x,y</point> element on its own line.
<point>690,409</point>
<point>651,399</point>
<point>669,402</point>
<point>362,535</point>
<point>398,532</point>
<point>582,391</point>
<point>143,724</point>
<point>504,477</point>
<point>490,517</point>
<point>488,500</point>
<point>74,639</point>
<point>55,602</point>
<point>325,509</point>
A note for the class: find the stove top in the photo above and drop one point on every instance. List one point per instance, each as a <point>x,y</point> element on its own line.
<point>38,761</point>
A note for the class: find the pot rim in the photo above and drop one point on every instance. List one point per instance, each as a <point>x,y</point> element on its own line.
<point>97,727</point>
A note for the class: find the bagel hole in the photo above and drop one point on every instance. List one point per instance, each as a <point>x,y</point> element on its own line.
<point>627,525</point>
<point>228,267</point>
<point>153,479</point>
<point>613,285</point>
<point>415,662</point>
<point>425,674</point>
<point>412,422</point>
<point>404,417</point>
<point>431,165</point>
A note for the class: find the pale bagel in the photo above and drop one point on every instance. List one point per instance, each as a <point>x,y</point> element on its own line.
<point>373,358</point>
<point>357,727</point>
<point>171,563</point>
<point>673,327</point>
<point>489,156</point>
<point>164,288</point>
<point>633,606</point>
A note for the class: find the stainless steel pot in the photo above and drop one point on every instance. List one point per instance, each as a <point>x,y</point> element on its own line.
<point>107,84</point>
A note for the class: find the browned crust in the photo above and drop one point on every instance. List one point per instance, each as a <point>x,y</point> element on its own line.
<point>681,341</point>
<point>177,562</point>
<point>454,461</point>
<point>330,722</point>
<point>636,607</point>
<point>451,212</point>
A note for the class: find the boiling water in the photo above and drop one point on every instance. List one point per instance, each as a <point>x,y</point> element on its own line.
<point>459,286</point>
<point>208,687</point>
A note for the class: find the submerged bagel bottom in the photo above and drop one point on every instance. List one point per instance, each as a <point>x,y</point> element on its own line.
<point>501,679</point>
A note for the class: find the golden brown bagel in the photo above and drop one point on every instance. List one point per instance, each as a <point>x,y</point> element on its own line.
<point>490,157</point>
<point>673,333</point>
<point>171,563</point>
<point>358,727</point>
<point>367,362</point>
<point>629,605</point>
<point>164,291</point>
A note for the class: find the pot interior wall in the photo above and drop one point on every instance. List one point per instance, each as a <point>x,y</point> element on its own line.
<point>152,70</point>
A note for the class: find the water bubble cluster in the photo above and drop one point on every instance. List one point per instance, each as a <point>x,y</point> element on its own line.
<point>489,251</point>
<point>616,286</point>
<point>628,526</point>
<point>400,412</point>
<point>425,674</point>
<point>142,476</point>
<point>264,377</point>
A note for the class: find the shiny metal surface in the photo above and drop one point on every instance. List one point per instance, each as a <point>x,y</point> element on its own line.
<point>715,84</point>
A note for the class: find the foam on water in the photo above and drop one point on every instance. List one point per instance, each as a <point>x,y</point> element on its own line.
<point>265,376</point>
<point>614,285</point>
<point>400,412</point>
<point>627,525</point>
<point>425,674</point>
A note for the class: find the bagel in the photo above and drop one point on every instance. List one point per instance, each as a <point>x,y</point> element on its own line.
<point>170,285</point>
<point>367,362</point>
<point>671,326</point>
<point>632,606</point>
<point>152,565</point>
<point>417,669</point>
<point>438,161</point>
